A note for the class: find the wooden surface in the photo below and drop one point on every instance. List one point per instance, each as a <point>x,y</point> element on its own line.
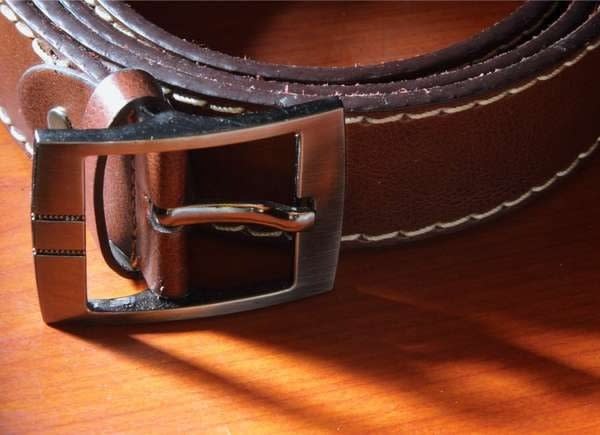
<point>496,329</point>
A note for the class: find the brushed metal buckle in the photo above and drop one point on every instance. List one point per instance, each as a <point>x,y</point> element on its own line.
<point>58,207</point>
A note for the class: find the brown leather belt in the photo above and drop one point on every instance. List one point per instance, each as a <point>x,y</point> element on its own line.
<point>227,178</point>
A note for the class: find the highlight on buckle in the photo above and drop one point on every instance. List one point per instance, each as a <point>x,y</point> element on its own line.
<point>58,207</point>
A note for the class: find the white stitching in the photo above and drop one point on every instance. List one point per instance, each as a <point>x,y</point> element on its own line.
<point>105,15</point>
<point>24,29</point>
<point>258,233</point>
<point>226,109</point>
<point>363,119</point>
<point>4,117</point>
<point>8,13</point>
<point>45,52</point>
<point>229,228</point>
<point>487,214</point>
<point>186,99</point>
<point>123,29</point>
<point>102,13</point>
<point>198,102</point>
<point>484,102</point>
<point>437,112</point>
<point>244,228</point>
<point>17,134</point>
<point>519,37</point>
<point>403,235</point>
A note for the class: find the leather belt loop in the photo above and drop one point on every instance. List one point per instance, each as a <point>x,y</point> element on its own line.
<point>114,102</point>
<point>161,179</point>
<point>154,178</point>
<point>115,95</point>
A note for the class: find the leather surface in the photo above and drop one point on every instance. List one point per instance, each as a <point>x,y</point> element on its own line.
<point>435,142</point>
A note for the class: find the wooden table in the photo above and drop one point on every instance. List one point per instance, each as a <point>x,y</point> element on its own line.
<point>494,329</point>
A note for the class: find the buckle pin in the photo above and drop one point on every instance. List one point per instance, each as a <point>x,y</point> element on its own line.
<point>273,215</point>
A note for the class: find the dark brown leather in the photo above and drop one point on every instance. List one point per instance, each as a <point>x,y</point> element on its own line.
<point>435,142</point>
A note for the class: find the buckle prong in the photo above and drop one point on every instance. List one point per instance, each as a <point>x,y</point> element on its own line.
<point>273,215</point>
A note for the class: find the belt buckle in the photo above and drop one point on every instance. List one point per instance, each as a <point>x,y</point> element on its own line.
<point>58,207</point>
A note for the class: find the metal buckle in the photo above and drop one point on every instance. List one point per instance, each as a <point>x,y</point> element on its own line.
<point>58,206</point>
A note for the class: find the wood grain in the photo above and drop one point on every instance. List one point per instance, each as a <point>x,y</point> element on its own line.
<point>493,330</point>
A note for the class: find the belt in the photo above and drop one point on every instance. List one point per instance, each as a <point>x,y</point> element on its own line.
<point>227,183</point>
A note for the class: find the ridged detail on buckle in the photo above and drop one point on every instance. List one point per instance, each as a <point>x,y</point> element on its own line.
<point>61,252</point>
<point>57,217</point>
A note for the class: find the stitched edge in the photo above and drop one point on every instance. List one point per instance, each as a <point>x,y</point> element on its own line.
<point>399,234</point>
<point>44,52</point>
<point>185,99</point>
<point>17,134</point>
<point>47,54</point>
<point>199,102</point>
<point>360,119</point>
<point>42,49</point>
<point>246,229</point>
<point>105,15</point>
<point>363,119</point>
<point>368,120</point>
<point>519,37</point>
<point>404,235</point>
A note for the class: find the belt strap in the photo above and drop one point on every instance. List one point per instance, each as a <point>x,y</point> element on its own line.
<point>434,143</point>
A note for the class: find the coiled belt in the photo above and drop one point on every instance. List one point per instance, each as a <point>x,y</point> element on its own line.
<point>246,210</point>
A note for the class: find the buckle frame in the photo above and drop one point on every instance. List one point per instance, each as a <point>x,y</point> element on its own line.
<point>58,206</point>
